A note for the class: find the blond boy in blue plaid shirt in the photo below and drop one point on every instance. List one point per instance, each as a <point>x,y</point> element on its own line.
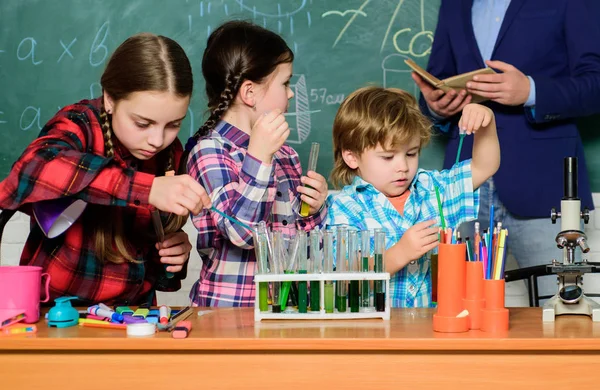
<point>377,137</point>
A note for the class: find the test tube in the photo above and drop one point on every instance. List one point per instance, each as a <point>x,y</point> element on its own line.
<point>328,268</point>
<point>353,267</point>
<point>365,252</point>
<point>290,257</point>
<point>316,260</point>
<point>340,264</point>
<point>312,166</point>
<point>262,227</point>
<point>276,267</point>
<point>379,267</point>
<point>302,269</point>
<point>261,251</point>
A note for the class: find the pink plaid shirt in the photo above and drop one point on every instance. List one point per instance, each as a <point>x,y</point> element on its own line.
<point>250,191</point>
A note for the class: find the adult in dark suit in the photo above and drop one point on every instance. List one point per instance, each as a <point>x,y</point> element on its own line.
<point>547,55</point>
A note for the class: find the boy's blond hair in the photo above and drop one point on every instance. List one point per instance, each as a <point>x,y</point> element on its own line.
<point>372,116</point>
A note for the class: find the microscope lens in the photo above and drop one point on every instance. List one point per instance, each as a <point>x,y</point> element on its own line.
<point>570,293</point>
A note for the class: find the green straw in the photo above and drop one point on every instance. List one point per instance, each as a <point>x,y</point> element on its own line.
<point>230,218</point>
<point>469,250</point>
<point>439,202</point>
<point>460,143</point>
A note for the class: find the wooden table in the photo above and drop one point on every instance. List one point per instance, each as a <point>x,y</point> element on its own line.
<point>227,349</point>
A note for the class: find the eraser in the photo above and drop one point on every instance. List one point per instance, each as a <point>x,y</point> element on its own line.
<point>129,319</point>
<point>123,310</point>
<point>141,312</point>
<point>182,329</point>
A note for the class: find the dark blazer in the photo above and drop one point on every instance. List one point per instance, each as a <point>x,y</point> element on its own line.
<point>557,43</point>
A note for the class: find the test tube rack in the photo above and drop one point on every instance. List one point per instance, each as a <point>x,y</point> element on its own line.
<point>293,314</point>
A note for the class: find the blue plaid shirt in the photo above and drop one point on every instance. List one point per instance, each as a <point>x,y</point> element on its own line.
<point>361,206</point>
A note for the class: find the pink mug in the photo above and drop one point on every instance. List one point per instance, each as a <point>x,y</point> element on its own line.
<point>20,289</point>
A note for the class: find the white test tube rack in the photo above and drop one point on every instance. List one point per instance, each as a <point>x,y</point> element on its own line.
<point>321,314</point>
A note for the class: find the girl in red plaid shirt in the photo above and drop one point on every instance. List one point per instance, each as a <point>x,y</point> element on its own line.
<point>112,153</point>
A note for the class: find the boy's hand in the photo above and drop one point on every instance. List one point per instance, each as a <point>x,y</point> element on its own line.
<point>174,251</point>
<point>315,196</point>
<point>474,117</point>
<point>268,135</point>
<point>418,240</point>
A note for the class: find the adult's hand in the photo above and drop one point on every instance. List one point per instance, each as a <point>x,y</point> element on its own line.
<point>444,104</point>
<point>511,87</point>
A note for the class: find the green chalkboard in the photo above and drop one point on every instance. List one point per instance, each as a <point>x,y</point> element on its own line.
<point>589,128</point>
<point>52,53</point>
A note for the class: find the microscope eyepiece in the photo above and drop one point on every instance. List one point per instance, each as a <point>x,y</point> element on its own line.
<point>570,178</point>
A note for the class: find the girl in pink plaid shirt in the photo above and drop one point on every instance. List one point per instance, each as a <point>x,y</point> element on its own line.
<point>239,156</point>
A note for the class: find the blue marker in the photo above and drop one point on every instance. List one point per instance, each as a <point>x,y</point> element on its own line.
<point>97,311</point>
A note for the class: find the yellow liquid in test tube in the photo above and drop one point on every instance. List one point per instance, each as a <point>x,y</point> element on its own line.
<point>312,166</point>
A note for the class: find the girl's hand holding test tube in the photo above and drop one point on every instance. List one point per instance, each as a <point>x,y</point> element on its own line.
<point>314,191</point>
<point>174,251</point>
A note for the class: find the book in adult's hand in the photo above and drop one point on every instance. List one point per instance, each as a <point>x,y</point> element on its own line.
<point>456,83</point>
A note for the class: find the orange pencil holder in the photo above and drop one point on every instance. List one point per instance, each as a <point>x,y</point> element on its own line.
<point>474,301</point>
<point>451,289</point>
<point>494,316</point>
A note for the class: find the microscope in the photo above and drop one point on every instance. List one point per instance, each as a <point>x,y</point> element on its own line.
<point>570,298</point>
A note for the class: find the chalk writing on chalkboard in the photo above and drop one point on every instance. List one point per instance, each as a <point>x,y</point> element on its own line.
<point>419,44</point>
<point>23,54</point>
<point>292,8</point>
<point>299,111</point>
<point>396,72</point>
<point>66,49</point>
<point>97,56</point>
<point>99,46</point>
<point>95,90</point>
<point>48,65</point>
<point>31,114</point>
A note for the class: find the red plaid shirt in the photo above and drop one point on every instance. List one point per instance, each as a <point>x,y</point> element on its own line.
<point>67,159</point>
